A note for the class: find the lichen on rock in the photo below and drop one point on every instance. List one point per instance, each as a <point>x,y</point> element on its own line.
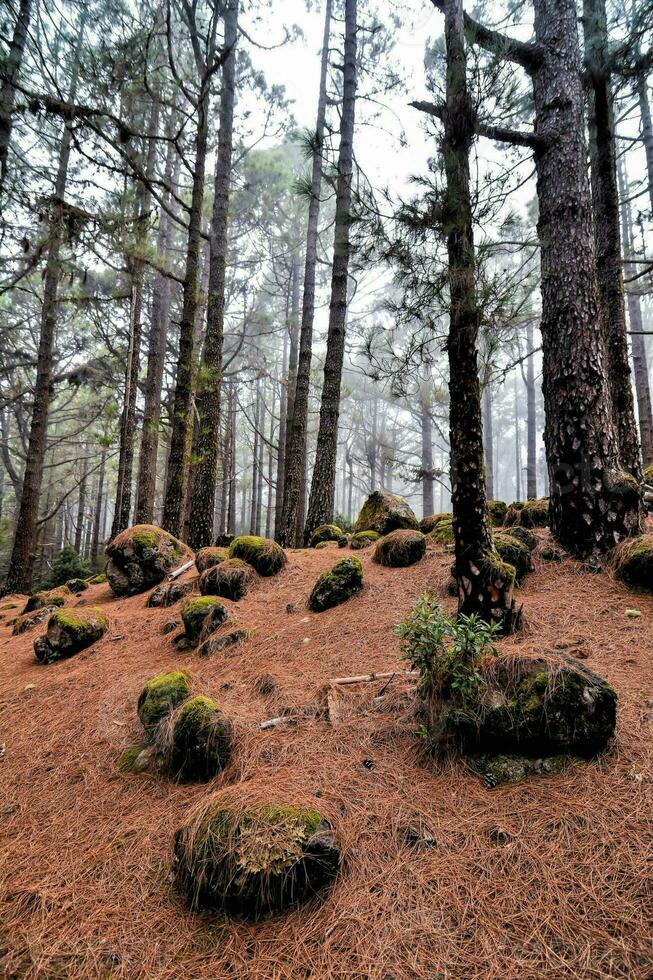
<point>325,532</point>
<point>254,861</point>
<point>140,557</point>
<point>384,512</point>
<point>336,585</point>
<point>443,532</point>
<point>263,554</point>
<point>229,579</point>
<point>497,511</point>
<point>431,521</point>
<point>399,549</point>
<point>208,557</point>
<point>160,696</point>
<point>196,743</point>
<point>363,539</point>
<point>68,632</point>
<point>201,615</point>
<point>49,597</point>
<point>516,553</point>
<point>523,534</point>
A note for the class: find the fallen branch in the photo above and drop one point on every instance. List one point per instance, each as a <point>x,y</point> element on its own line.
<point>368,678</point>
<point>180,571</point>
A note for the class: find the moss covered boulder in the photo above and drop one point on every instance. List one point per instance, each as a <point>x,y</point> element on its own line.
<point>363,539</point>
<point>428,523</point>
<point>537,707</point>
<point>523,534</point>
<point>168,593</point>
<point>50,597</point>
<point>400,549</point>
<point>343,540</point>
<point>198,741</point>
<point>140,557</point>
<point>325,532</point>
<point>161,695</point>
<point>442,533</point>
<point>633,562</point>
<point>201,615</point>
<point>229,580</point>
<point>516,553</point>
<point>263,554</point>
<point>385,512</point>
<point>209,557</point>
<point>27,621</point>
<point>256,861</point>
<point>337,585</point>
<point>77,585</point>
<point>68,632</point>
<point>497,510</point>
<point>535,513</point>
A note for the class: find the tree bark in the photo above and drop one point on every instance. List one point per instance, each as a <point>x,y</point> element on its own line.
<point>605,199</point>
<point>484,586</point>
<point>531,418</point>
<point>320,507</point>
<point>488,432</point>
<point>97,517</point>
<point>10,71</point>
<point>294,485</point>
<point>81,512</point>
<point>640,360</point>
<point>210,376</point>
<point>19,576</point>
<point>647,128</point>
<point>592,503</point>
<point>426,427</point>
<point>160,323</point>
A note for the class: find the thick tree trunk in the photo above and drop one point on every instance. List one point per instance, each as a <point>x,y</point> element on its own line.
<point>427,458</point>
<point>294,485</point>
<point>605,198</point>
<point>484,585</point>
<point>531,418</point>
<point>640,365</point>
<point>255,459</point>
<point>81,512</point>
<point>173,506</point>
<point>320,507</point>
<point>593,504</point>
<point>19,576</point>
<point>233,488</point>
<point>281,444</point>
<point>646,129</point>
<point>210,379</point>
<point>161,295</point>
<point>97,517</point>
<point>488,432</point>
<point>9,77</point>
<point>292,377</point>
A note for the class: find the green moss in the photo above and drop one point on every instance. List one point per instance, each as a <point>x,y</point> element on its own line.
<point>385,512</point>
<point>497,511</point>
<point>77,585</point>
<point>523,534</point>
<point>325,532</point>
<point>633,562</point>
<point>229,579</point>
<point>197,611</point>
<point>336,585</point>
<point>160,696</point>
<point>127,759</point>
<point>428,523</point>
<point>363,539</point>
<point>200,745</point>
<point>49,597</point>
<point>514,553</point>
<point>399,549</point>
<point>144,537</point>
<point>648,475</point>
<point>503,570</point>
<point>535,513</point>
<point>209,557</point>
<point>263,554</point>
<point>68,632</point>
<point>99,579</point>
<point>443,532</point>
<point>78,622</point>
<point>139,557</point>
<point>254,861</point>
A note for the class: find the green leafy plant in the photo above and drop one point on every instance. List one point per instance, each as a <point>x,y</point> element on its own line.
<point>65,566</point>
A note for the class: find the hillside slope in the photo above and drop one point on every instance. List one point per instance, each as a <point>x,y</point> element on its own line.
<point>441,877</point>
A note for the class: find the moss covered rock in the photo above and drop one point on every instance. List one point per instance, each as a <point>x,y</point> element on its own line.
<point>161,695</point>
<point>325,532</point>
<point>537,707</point>
<point>385,512</point>
<point>497,510</point>
<point>523,534</point>
<point>29,620</point>
<point>49,597</point>
<point>198,741</point>
<point>68,632</point>
<point>77,585</point>
<point>363,539</point>
<point>443,532</point>
<point>229,580</point>
<point>400,549</point>
<point>209,557</point>
<point>168,593</point>
<point>427,524</point>
<point>263,554</point>
<point>633,562</point>
<point>254,862</point>
<point>99,579</point>
<point>140,557</point>
<point>498,769</point>
<point>535,513</point>
<point>648,476</point>
<point>337,585</point>
<point>513,551</point>
<point>550,553</point>
<point>201,615</point>
<point>343,540</point>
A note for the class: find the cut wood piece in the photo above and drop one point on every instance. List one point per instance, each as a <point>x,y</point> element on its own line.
<point>180,571</point>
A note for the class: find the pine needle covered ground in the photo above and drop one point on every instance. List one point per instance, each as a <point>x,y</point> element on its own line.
<point>441,877</point>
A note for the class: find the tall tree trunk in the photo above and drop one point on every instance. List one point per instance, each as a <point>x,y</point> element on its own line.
<point>281,444</point>
<point>294,485</point>
<point>231,516</point>
<point>640,365</point>
<point>208,398</point>
<point>81,512</point>
<point>9,77</point>
<point>173,504</point>
<point>592,503</point>
<point>647,128</point>
<point>427,458</point>
<point>484,582</point>
<point>517,444</point>
<point>320,507</point>
<point>97,517</point>
<point>160,322</point>
<point>531,418</point>
<point>255,459</point>
<point>488,431</point>
<point>605,199</point>
<point>19,576</point>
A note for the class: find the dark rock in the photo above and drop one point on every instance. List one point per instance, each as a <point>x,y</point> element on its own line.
<point>50,597</point>
<point>431,521</point>
<point>201,616</point>
<point>167,594</point>
<point>325,532</point>
<point>384,512</point>
<point>208,557</point>
<point>265,684</point>
<point>140,557</point>
<point>229,580</point>
<point>337,585</point>
<point>399,549</point>
<point>199,741</point>
<point>69,631</point>
<point>29,620</point>
<point>263,554</point>
<point>363,539</point>
<point>161,695</point>
<point>216,644</point>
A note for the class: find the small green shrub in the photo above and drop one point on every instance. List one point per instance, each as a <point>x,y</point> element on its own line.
<point>67,565</point>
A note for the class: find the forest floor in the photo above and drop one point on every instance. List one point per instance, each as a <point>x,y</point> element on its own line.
<point>441,877</point>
